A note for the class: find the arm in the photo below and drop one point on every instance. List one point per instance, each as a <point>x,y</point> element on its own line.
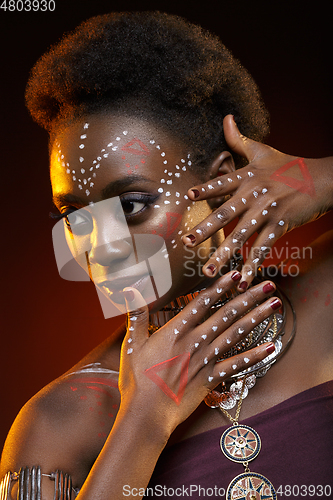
<point>184,352</point>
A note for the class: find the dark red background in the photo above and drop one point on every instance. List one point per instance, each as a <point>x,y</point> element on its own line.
<point>48,324</point>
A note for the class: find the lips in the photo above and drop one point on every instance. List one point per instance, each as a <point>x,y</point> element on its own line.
<point>117,285</point>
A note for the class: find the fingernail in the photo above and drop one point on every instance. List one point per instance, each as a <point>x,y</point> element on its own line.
<point>275,304</point>
<point>268,288</point>
<point>129,295</point>
<point>270,348</point>
<point>195,192</point>
<point>243,285</point>
<point>211,268</point>
<point>236,276</point>
<point>191,237</point>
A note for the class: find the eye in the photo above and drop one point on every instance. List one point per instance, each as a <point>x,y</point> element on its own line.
<point>136,203</point>
<point>132,207</point>
<point>78,221</point>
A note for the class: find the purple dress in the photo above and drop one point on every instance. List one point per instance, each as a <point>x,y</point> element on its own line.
<point>296,454</point>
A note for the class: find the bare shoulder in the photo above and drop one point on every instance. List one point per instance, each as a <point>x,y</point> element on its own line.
<point>65,425</point>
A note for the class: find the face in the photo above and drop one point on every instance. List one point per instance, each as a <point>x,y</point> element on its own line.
<point>127,177</point>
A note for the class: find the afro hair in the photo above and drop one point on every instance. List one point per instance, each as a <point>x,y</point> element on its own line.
<point>153,64</point>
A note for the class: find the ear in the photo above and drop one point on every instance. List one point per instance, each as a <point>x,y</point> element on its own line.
<point>223,164</point>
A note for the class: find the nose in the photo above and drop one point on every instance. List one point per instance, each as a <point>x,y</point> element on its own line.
<point>110,242</point>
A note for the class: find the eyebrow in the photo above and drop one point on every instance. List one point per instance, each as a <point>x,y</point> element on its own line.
<point>112,189</point>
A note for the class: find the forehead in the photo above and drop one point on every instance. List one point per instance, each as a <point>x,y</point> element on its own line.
<point>83,152</point>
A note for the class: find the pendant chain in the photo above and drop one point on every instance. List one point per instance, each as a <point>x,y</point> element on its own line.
<point>234,419</point>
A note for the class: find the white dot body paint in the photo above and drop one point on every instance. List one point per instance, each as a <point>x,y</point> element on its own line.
<point>253,222</point>
<point>255,260</point>
<point>184,321</point>
<point>209,224</point>
<point>253,320</point>
<point>219,290</point>
<point>246,360</point>
<point>130,340</point>
<point>281,223</point>
<point>233,208</point>
<point>234,240</point>
<point>244,200</point>
<point>250,174</point>
<point>228,341</point>
<point>210,186</point>
<point>240,331</point>
<point>255,194</point>
<point>229,180</point>
<point>264,191</point>
<point>216,351</point>
<point>194,311</point>
<point>238,176</point>
<point>131,328</point>
<point>130,350</point>
<point>204,336</point>
<point>222,374</point>
<point>264,212</point>
<point>207,301</point>
<point>243,231</point>
<point>210,379</point>
<point>176,331</point>
<point>234,367</point>
<point>206,361</point>
<point>274,204</point>
<point>196,345</point>
<point>245,303</point>
<point>214,328</point>
<point>271,236</point>
<point>225,318</point>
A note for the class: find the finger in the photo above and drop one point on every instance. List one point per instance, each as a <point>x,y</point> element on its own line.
<point>196,310</point>
<point>213,223</point>
<point>236,319</point>
<point>249,149</point>
<point>137,318</point>
<point>259,251</point>
<point>228,367</point>
<point>222,185</point>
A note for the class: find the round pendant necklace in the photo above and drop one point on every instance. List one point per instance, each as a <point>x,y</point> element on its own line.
<point>240,443</point>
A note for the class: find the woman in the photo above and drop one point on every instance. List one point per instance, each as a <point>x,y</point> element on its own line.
<point>142,142</point>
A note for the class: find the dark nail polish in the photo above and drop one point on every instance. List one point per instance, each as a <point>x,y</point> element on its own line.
<point>268,288</point>
<point>236,276</point>
<point>243,285</point>
<point>195,192</point>
<point>129,295</point>
<point>270,348</point>
<point>275,304</point>
<point>191,237</point>
<point>211,268</point>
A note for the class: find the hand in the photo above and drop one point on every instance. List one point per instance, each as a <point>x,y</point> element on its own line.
<point>273,194</point>
<point>168,374</point>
